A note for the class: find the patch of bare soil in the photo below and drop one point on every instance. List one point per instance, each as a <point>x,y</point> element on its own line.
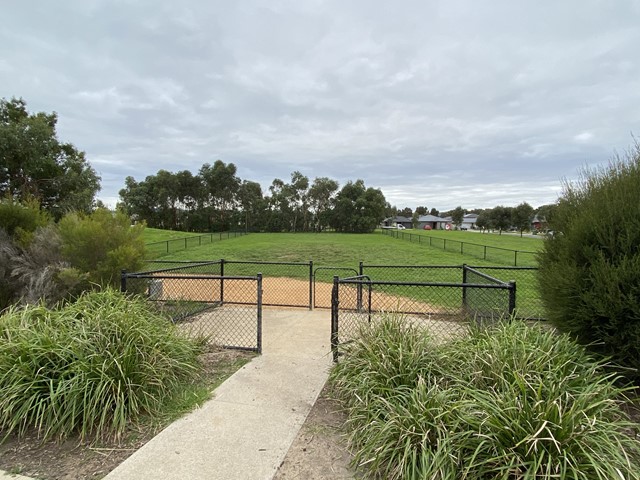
<point>74,460</point>
<point>320,451</point>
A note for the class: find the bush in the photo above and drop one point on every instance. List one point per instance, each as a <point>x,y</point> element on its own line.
<point>37,272</point>
<point>89,368</point>
<point>102,244</point>
<point>590,273</point>
<point>509,402</point>
<point>20,220</point>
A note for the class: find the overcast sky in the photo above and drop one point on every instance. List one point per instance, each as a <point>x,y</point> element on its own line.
<point>437,103</point>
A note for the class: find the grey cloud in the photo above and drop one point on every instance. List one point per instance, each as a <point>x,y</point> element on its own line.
<point>454,102</point>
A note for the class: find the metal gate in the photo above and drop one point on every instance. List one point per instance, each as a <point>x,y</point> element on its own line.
<point>225,310</point>
<point>444,309</point>
<point>322,289</point>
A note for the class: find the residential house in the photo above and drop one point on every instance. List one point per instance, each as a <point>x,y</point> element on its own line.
<point>432,222</point>
<point>539,223</point>
<point>397,220</point>
<point>469,221</point>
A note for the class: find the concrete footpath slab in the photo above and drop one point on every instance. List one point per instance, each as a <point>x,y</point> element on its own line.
<point>245,431</point>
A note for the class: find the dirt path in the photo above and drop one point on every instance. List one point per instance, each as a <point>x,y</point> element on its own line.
<point>285,291</point>
<point>319,452</point>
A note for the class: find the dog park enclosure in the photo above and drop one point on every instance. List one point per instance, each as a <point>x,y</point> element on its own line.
<point>223,299</point>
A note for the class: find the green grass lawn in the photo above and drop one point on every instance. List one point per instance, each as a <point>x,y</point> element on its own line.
<point>335,249</point>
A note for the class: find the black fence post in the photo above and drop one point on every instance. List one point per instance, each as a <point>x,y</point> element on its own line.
<point>359,292</point>
<point>515,258</point>
<point>259,329</point>
<point>311,284</point>
<point>334,319</point>
<point>512,298</point>
<point>369,303</point>
<point>464,288</point>
<point>123,281</point>
<point>221,281</point>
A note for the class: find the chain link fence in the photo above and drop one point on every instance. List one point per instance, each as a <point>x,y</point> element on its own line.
<point>528,304</point>
<point>286,284</point>
<point>442,297</point>
<point>444,309</point>
<point>166,247</point>
<point>485,252</point>
<point>225,311</point>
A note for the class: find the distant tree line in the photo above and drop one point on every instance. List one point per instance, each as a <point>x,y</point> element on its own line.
<point>216,199</point>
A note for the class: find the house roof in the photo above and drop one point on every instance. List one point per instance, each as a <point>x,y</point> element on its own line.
<point>398,219</point>
<point>431,218</point>
<point>471,216</point>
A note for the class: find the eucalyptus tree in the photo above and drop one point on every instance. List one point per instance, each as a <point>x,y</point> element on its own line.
<point>321,196</point>
<point>35,164</point>
<point>221,187</point>
<point>252,203</point>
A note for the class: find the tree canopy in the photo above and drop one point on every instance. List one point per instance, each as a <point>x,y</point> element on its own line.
<point>34,164</point>
<point>216,199</point>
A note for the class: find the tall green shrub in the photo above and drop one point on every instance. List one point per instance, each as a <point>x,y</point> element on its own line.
<point>102,244</point>
<point>21,219</point>
<point>590,272</point>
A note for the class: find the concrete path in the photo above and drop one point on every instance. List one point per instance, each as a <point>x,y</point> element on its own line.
<point>245,431</point>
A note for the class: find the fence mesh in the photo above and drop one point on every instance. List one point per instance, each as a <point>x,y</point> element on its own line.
<point>166,247</point>
<point>485,297</point>
<point>528,303</point>
<point>285,284</point>
<point>226,311</point>
<point>486,252</point>
<point>187,267</point>
<point>443,309</point>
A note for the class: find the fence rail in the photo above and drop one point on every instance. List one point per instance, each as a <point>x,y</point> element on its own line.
<point>486,252</point>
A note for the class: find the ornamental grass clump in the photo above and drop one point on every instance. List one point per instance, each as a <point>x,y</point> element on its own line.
<point>507,402</point>
<point>90,367</point>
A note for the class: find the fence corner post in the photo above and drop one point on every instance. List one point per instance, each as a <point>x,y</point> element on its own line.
<point>334,318</point>
<point>512,298</point>
<point>311,284</point>
<point>123,280</point>
<point>259,306</point>
<point>464,287</point>
<point>221,281</point>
